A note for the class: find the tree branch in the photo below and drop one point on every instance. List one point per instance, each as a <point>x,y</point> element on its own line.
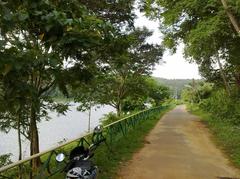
<point>43,90</point>
<point>231,17</point>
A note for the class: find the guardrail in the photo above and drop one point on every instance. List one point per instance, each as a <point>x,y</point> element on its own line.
<point>49,167</point>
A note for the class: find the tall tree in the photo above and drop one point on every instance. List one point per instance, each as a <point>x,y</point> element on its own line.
<point>130,57</point>
<point>156,92</point>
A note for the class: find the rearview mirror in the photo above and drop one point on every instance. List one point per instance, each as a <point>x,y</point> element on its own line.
<point>60,157</point>
<point>98,129</point>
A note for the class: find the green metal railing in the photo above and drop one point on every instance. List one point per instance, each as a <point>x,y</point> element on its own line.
<point>50,167</point>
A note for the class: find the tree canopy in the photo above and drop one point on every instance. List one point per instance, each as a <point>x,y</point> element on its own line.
<point>129,58</point>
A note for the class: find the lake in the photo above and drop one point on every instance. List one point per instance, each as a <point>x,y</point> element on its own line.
<point>59,128</point>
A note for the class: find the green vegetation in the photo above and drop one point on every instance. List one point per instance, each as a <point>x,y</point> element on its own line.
<point>124,76</point>
<point>176,85</point>
<point>37,39</point>
<point>207,29</point>
<point>5,159</point>
<point>215,101</point>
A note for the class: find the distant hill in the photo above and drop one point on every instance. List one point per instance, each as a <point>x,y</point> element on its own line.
<point>176,85</point>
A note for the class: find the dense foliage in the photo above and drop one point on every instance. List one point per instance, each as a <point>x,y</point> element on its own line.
<point>123,84</point>
<point>214,100</point>
<point>175,85</point>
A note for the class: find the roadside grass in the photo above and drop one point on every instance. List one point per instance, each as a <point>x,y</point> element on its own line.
<point>225,134</point>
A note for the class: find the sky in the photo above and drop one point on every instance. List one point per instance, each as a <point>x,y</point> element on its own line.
<point>175,66</point>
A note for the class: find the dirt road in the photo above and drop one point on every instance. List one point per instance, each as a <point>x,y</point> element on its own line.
<point>179,147</point>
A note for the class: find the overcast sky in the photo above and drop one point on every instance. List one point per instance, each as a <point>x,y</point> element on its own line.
<point>175,66</point>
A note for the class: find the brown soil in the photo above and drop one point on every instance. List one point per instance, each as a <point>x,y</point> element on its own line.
<point>179,147</point>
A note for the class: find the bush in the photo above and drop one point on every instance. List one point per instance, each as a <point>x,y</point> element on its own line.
<point>109,118</point>
<point>5,159</point>
<point>222,106</point>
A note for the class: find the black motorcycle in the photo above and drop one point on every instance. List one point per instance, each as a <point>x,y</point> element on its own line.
<point>80,166</point>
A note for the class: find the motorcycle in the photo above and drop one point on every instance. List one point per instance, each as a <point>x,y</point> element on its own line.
<point>80,166</point>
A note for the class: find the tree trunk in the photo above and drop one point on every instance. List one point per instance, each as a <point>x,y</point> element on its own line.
<point>34,140</point>
<point>89,119</point>
<point>227,86</point>
<point>119,109</point>
<point>231,17</point>
<point>19,146</point>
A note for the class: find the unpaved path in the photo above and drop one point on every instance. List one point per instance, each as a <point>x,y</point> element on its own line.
<point>178,147</point>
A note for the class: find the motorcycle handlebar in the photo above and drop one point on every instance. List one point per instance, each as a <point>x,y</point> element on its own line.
<point>95,145</point>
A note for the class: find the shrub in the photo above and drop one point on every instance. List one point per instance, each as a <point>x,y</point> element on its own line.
<point>5,159</point>
<point>222,106</point>
<point>109,118</point>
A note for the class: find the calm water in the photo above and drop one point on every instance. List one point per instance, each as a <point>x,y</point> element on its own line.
<point>59,128</point>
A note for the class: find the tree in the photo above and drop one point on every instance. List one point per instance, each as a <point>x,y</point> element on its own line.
<point>131,58</point>
<point>197,91</point>
<point>148,93</point>
<point>87,95</point>
<point>157,92</point>
<point>14,115</point>
<point>37,40</point>
<point>198,24</point>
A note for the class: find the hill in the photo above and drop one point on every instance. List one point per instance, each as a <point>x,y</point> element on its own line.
<point>176,85</point>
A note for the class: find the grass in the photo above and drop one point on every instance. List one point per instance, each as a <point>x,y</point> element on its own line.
<point>226,135</point>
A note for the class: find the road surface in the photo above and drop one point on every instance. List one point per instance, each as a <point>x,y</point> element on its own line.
<point>180,147</point>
